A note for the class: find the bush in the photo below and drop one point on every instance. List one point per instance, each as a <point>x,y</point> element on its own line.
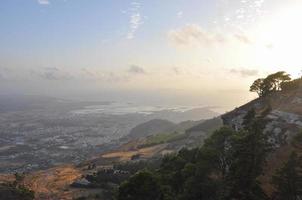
<point>142,186</point>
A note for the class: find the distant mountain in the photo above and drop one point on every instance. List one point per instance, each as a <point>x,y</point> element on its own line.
<point>193,115</point>
<point>14,103</point>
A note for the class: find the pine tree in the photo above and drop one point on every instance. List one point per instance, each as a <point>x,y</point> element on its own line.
<point>250,148</point>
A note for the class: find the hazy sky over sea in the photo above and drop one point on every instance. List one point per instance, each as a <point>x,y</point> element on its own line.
<point>179,51</point>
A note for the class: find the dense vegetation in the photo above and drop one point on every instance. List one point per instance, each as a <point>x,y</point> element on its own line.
<point>288,179</point>
<point>226,167</point>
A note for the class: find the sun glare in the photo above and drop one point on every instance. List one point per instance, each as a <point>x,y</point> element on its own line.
<point>282,34</point>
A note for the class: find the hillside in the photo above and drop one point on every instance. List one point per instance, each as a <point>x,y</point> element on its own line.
<point>150,127</point>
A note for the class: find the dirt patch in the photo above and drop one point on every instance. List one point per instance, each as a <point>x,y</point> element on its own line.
<point>144,153</point>
<point>53,183</point>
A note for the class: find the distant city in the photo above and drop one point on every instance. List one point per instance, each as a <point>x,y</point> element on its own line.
<point>41,132</point>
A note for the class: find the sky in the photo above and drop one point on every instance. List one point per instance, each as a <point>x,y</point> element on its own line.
<point>193,52</point>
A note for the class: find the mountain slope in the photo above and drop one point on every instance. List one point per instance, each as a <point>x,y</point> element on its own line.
<point>283,110</point>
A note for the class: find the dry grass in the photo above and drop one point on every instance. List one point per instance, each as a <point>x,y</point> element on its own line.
<point>276,160</point>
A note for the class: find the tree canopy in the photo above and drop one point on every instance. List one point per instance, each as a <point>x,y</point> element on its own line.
<point>273,82</point>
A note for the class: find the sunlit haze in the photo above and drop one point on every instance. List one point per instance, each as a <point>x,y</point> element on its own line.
<point>180,52</point>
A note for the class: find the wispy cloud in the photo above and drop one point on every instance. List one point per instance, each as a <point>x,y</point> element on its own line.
<point>44,2</point>
<point>244,72</point>
<point>195,35</point>
<point>51,74</point>
<point>136,19</point>
<point>258,3</point>
<point>4,73</point>
<point>103,76</point>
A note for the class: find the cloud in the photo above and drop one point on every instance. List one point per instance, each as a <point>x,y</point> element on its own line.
<point>193,34</point>
<point>3,73</point>
<point>88,72</point>
<point>51,73</point>
<point>269,46</point>
<point>176,70</point>
<point>180,14</point>
<point>134,69</point>
<point>44,2</point>
<point>241,37</point>
<point>244,72</point>
<point>135,21</point>
<point>115,77</point>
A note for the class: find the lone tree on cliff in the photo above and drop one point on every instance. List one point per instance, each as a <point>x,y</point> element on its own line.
<point>273,82</point>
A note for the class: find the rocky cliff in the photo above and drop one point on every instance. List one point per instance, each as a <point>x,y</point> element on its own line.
<point>282,109</point>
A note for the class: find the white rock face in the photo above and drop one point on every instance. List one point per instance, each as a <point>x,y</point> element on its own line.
<point>290,118</point>
<point>282,127</point>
